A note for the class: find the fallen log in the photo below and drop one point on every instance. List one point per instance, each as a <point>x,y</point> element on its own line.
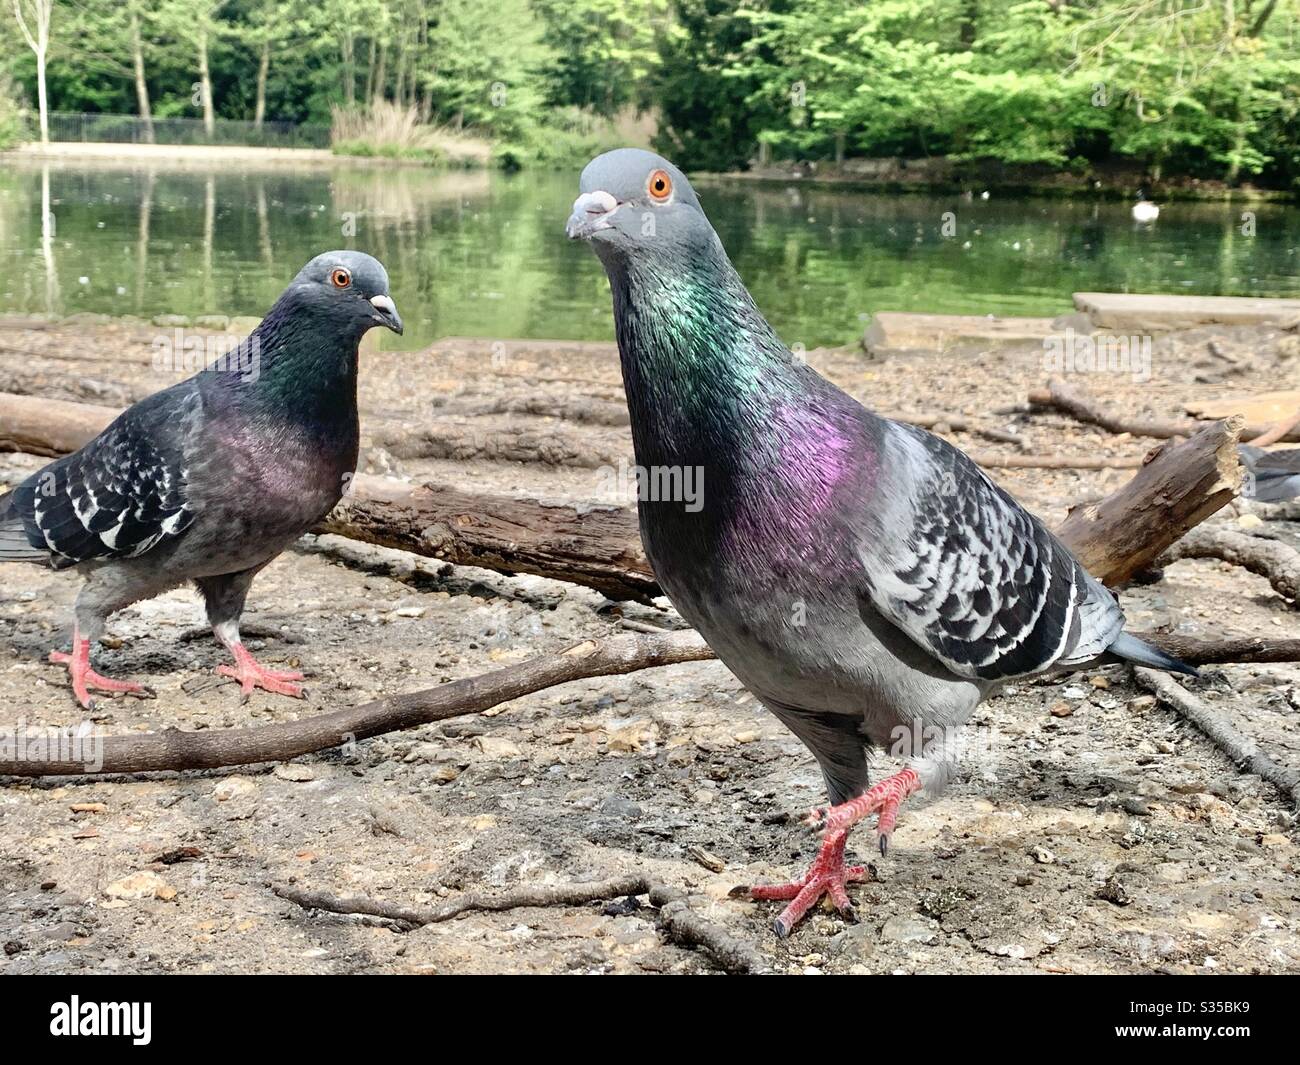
<point>1180,486</point>
<point>593,545</point>
<point>1084,408</point>
<point>600,546</point>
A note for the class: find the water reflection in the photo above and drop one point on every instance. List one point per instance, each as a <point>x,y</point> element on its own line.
<point>482,254</point>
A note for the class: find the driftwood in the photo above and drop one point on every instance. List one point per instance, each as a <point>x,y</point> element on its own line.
<point>1180,486</point>
<point>446,438</point>
<point>1277,561</point>
<point>597,546</point>
<point>1243,750</point>
<point>1079,405</point>
<point>681,924</point>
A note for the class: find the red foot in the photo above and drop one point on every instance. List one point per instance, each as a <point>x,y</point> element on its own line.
<point>84,678</point>
<point>883,798</point>
<point>251,674</point>
<point>828,876</point>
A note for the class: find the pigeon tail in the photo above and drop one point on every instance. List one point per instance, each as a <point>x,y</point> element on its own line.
<point>1129,648</point>
<point>15,545</point>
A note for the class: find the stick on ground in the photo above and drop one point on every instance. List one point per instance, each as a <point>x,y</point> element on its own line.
<point>1241,749</point>
<point>683,925</point>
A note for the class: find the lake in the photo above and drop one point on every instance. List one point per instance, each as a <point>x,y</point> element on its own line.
<point>484,254</point>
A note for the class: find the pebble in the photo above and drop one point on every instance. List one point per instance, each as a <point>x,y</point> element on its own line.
<point>1043,856</point>
<point>141,885</point>
<point>233,787</point>
<point>903,929</point>
<point>299,774</point>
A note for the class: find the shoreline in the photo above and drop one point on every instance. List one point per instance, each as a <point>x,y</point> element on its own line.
<point>109,153</point>
<point>920,177</point>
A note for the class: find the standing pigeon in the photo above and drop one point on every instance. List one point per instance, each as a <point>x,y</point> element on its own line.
<point>863,578</point>
<point>209,480</point>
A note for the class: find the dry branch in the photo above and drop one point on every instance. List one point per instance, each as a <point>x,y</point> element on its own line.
<point>1241,749</point>
<point>1179,486</point>
<point>172,749</point>
<point>1083,407</point>
<point>1277,561</point>
<point>682,924</point>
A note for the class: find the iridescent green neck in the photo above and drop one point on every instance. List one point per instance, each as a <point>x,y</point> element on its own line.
<point>700,363</point>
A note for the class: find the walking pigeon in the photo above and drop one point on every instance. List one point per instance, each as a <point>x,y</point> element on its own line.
<point>1273,476</point>
<point>209,480</point>
<point>863,578</point>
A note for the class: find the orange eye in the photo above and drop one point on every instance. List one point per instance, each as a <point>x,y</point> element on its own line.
<point>340,278</point>
<point>660,185</point>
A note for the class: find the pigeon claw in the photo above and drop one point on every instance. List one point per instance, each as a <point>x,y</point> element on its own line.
<point>84,678</point>
<point>252,674</point>
<point>828,876</point>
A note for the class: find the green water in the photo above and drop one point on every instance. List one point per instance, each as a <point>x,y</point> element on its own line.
<point>484,254</point>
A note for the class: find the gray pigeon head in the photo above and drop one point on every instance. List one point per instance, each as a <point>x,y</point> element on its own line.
<point>349,289</point>
<point>634,203</point>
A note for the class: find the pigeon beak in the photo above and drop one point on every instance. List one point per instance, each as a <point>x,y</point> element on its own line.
<point>386,312</point>
<point>591,214</point>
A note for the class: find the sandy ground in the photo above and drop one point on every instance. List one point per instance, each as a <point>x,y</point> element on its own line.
<point>1093,831</point>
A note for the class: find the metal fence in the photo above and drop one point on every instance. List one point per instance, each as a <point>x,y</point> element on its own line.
<point>132,129</point>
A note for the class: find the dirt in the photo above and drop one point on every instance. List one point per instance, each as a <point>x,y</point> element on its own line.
<point>1092,831</point>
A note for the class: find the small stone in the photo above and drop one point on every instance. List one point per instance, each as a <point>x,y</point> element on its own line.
<point>496,746</point>
<point>233,788</point>
<point>745,737</point>
<point>141,885</point>
<point>1099,682</point>
<point>1250,521</point>
<point>409,611</point>
<point>299,774</point>
<point>1273,839</point>
<point>1142,702</point>
<point>905,929</point>
<point>1116,891</point>
<point>1062,710</point>
<point>88,807</point>
<point>1043,856</point>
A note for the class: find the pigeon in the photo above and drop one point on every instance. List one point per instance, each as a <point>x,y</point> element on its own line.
<point>210,479</point>
<point>1272,476</point>
<point>864,579</point>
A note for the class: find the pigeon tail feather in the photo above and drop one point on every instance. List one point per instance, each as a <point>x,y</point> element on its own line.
<point>1130,649</point>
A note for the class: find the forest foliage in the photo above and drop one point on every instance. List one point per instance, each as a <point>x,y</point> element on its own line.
<point>1204,88</point>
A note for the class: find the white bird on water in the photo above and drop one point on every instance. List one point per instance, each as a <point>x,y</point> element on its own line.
<point>1144,210</point>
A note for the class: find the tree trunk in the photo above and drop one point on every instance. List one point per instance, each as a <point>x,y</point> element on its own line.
<point>263,68</point>
<point>347,51</point>
<point>381,73</point>
<point>41,98</point>
<point>370,71</point>
<point>205,86</point>
<point>141,85</point>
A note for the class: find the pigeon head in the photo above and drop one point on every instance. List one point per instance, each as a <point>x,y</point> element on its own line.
<point>635,204</point>
<point>348,289</point>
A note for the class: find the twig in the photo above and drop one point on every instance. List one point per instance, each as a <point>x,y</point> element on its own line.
<point>992,461</point>
<point>1243,750</point>
<point>682,924</point>
<point>1277,561</point>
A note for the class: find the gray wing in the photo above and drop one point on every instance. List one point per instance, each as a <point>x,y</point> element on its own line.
<point>970,575</point>
<point>119,496</point>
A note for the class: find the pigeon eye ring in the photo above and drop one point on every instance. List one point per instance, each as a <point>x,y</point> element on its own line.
<point>660,186</point>
<point>340,278</point>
